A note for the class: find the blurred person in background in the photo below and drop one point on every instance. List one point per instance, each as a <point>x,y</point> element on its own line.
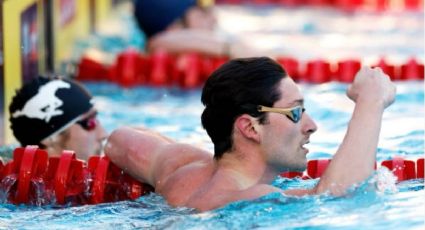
<point>185,26</point>
<point>56,114</point>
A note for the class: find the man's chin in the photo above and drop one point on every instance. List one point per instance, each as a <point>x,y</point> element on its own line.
<point>301,166</point>
<point>295,167</point>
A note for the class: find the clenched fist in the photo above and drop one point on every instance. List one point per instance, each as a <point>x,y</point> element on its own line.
<point>372,85</point>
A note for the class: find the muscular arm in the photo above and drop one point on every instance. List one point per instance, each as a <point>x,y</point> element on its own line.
<point>205,42</point>
<point>148,156</point>
<point>178,41</point>
<point>354,160</point>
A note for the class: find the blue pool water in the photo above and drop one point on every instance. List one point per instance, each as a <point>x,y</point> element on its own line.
<point>176,113</point>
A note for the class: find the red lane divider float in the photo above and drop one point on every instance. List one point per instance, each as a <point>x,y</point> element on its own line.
<point>401,168</point>
<point>346,5</point>
<point>291,66</point>
<point>412,70</point>
<point>160,68</point>
<point>90,69</point>
<point>388,69</point>
<point>190,70</point>
<point>33,178</point>
<point>33,162</point>
<point>315,168</point>
<point>347,70</point>
<point>131,68</point>
<point>318,71</point>
<point>420,168</point>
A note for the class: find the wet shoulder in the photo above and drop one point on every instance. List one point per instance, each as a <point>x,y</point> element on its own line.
<point>186,180</point>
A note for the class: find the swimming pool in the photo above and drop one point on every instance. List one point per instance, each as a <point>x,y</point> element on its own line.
<point>175,112</point>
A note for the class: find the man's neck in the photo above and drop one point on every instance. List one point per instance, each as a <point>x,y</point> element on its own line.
<point>247,167</point>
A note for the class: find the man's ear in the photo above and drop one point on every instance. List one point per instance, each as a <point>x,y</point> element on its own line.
<point>248,127</point>
<point>48,142</point>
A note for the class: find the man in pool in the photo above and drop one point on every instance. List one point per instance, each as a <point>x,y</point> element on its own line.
<point>255,116</point>
<point>170,24</point>
<point>56,114</point>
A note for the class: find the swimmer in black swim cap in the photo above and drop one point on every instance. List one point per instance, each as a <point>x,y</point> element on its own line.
<point>56,114</point>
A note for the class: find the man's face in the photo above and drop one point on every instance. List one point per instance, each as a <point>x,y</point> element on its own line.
<point>85,138</point>
<point>283,140</point>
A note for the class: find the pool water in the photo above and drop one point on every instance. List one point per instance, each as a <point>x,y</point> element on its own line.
<point>309,33</point>
<point>176,113</point>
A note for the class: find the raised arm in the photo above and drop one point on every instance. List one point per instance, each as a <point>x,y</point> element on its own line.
<point>354,161</point>
<point>148,156</point>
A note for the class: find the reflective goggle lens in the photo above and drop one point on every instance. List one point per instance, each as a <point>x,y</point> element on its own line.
<point>89,123</point>
<point>295,114</point>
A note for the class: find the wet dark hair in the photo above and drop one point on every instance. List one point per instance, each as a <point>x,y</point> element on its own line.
<point>237,88</point>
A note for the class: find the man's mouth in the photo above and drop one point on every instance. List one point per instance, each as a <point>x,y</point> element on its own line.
<point>303,146</point>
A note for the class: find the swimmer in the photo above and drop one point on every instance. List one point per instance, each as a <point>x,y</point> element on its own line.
<point>56,114</point>
<point>255,116</point>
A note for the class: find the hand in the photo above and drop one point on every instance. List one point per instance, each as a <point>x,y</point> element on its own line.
<point>372,85</point>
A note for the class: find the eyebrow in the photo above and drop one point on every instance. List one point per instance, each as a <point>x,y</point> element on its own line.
<point>298,102</point>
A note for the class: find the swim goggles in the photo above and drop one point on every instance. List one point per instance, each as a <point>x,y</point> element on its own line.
<point>88,123</point>
<point>294,113</point>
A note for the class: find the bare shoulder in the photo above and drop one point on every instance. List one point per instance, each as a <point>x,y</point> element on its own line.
<point>149,156</point>
<point>176,155</point>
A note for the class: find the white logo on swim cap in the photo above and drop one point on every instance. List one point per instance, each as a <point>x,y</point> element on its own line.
<point>44,104</point>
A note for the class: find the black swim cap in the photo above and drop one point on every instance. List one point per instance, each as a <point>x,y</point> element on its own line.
<point>45,107</point>
<point>154,16</point>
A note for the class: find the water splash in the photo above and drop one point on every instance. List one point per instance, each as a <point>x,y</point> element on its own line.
<point>384,180</point>
<point>41,195</point>
<point>6,186</point>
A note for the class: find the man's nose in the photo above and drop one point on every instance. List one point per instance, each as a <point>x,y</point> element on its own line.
<point>309,126</point>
